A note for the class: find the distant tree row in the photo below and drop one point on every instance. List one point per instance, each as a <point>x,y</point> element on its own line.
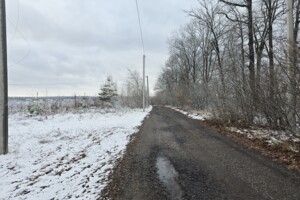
<point>232,59</point>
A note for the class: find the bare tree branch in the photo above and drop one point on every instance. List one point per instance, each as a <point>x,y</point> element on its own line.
<point>233,4</point>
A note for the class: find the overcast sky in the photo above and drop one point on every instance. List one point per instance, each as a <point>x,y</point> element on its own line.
<point>68,47</point>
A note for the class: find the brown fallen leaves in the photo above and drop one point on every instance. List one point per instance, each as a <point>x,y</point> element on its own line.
<point>279,152</point>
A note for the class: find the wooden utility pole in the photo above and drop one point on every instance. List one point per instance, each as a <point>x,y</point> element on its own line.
<point>3,82</point>
<point>292,100</point>
<point>148,97</point>
<point>144,58</point>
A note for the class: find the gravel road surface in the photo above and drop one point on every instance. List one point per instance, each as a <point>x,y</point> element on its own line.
<point>174,157</point>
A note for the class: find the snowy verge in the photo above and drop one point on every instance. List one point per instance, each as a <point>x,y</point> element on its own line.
<point>194,114</point>
<point>67,156</point>
<point>272,137</point>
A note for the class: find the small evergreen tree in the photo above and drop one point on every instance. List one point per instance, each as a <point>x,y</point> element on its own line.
<point>108,91</point>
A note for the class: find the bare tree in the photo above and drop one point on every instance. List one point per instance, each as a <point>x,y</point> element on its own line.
<point>207,16</point>
<point>232,59</point>
<point>132,92</point>
<point>247,4</point>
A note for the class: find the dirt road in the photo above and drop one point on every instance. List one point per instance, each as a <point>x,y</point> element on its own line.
<point>173,157</point>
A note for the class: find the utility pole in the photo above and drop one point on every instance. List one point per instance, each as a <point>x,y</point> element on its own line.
<point>37,99</point>
<point>46,99</point>
<point>148,97</point>
<point>3,82</point>
<point>144,58</point>
<point>291,68</point>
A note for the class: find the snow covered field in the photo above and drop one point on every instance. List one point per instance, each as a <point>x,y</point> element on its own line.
<point>66,156</point>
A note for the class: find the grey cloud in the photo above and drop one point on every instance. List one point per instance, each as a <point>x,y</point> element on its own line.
<point>86,40</point>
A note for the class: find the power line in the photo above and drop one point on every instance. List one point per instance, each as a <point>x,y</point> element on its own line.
<point>26,41</point>
<point>141,32</point>
<point>20,33</point>
<point>17,23</point>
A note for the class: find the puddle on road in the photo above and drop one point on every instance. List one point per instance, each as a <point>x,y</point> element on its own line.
<point>167,175</point>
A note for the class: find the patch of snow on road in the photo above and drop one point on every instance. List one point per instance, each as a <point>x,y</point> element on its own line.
<point>66,156</point>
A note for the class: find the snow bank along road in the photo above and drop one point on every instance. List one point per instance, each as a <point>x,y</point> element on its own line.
<point>67,156</point>
<point>174,157</point>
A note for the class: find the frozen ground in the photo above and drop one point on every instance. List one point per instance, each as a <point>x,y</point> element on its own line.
<point>272,137</point>
<point>66,156</point>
